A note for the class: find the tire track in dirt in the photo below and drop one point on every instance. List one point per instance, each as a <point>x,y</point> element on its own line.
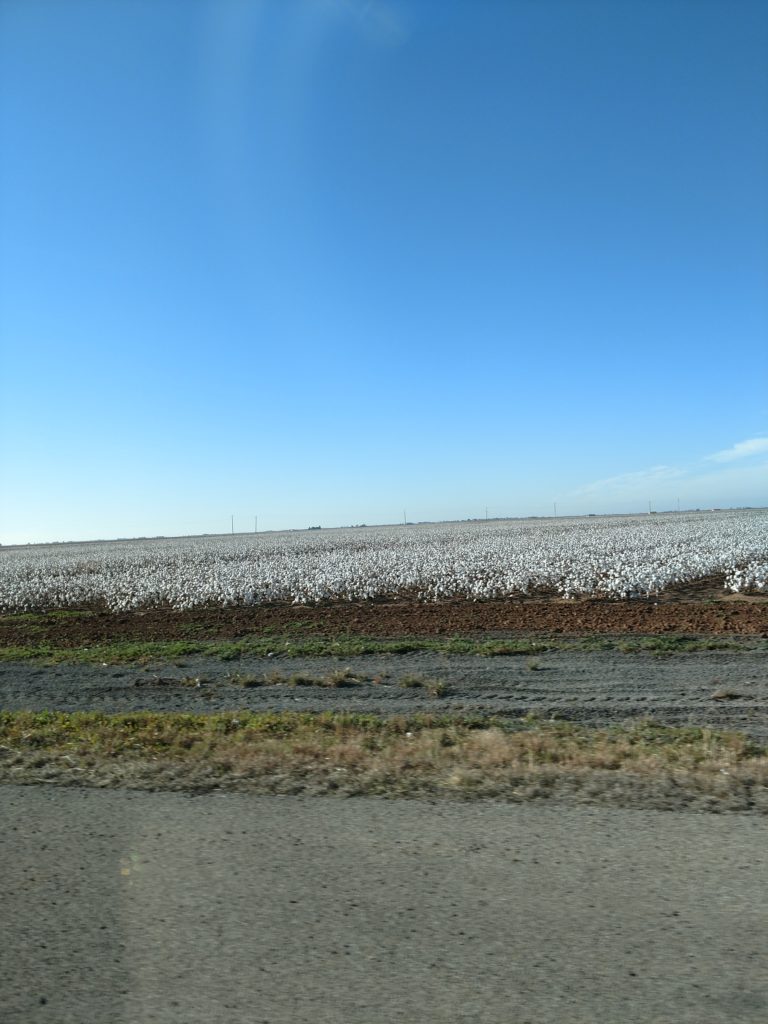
<point>715,688</point>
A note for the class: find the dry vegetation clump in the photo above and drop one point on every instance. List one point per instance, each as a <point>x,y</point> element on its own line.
<point>337,679</point>
<point>340,678</point>
<point>642,765</point>
<point>434,687</point>
<point>245,679</point>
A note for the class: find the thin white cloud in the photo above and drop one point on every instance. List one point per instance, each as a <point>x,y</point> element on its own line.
<point>706,485</point>
<point>693,477</point>
<point>742,450</point>
<point>630,482</point>
<point>378,20</point>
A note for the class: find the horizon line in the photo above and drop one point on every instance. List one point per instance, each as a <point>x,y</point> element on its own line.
<point>373,526</point>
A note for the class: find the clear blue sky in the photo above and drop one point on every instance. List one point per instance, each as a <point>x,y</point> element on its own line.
<point>322,261</point>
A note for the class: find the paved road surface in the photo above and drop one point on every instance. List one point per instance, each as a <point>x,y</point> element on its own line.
<point>126,907</point>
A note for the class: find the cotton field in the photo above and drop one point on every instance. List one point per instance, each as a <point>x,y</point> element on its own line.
<point>618,557</point>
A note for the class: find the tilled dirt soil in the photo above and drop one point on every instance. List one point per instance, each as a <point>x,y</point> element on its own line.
<point>720,689</point>
<point>700,608</point>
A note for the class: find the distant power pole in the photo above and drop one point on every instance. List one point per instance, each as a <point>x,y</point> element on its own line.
<point>255,524</point>
<point>405,521</point>
<point>486,513</point>
<point>649,507</point>
<point>678,504</point>
<point>232,522</point>
<point>555,507</point>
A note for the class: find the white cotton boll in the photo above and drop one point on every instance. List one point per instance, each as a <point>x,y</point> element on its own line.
<point>619,558</point>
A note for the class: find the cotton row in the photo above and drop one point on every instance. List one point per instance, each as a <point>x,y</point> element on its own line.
<point>619,557</point>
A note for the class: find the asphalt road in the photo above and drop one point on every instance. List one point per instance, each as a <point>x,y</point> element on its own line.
<point>718,688</point>
<point>129,907</point>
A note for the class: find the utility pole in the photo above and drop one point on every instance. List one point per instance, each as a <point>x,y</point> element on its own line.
<point>649,506</point>
<point>255,524</point>
<point>232,522</point>
<point>555,508</point>
<point>486,513</point>
<point>405,521</point>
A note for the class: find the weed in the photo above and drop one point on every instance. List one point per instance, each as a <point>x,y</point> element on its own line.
<point>680,644</point>
<point>533,665</point>
<point>243,679</point>
<point>434,687</point>
<point>410,682</point>
<point>501,648</point>
<point>413,755</point>
<point>300,680</point>
<point>342,677</point>
<point>278,678</point>
<point>261,645</point>
<point>339,678</point>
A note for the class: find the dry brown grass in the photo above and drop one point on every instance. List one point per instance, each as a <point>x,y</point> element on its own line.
<point>434,687</point>
<point>642,764</point>
<point>335,680</point>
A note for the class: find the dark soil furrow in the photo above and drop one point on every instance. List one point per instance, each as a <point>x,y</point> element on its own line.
<point>711,612</point>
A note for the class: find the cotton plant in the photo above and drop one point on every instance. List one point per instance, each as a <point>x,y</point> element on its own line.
<point>613,557</point>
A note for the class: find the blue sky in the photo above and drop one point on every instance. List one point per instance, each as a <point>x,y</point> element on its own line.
<point>325,260</point>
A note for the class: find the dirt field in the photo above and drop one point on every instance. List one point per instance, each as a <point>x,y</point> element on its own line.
<point>719,688</point>
<point>701,608</point>
<point>724,689</point>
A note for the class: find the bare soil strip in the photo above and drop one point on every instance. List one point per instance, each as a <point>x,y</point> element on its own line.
<point>670,613</point>
<point>720,689</point>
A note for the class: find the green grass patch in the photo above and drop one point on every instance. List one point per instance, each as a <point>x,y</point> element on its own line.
<point>41,618</point>
<point>677,644</point>
<point>288,646</point>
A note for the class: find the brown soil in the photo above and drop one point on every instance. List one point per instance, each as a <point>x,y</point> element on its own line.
<point>699,608</point>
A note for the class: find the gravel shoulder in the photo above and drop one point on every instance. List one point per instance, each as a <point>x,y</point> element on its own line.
<point>716,688</point>
<point>161,907</point>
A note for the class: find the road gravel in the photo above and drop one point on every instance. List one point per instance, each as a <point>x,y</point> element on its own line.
<point>163,908</point>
